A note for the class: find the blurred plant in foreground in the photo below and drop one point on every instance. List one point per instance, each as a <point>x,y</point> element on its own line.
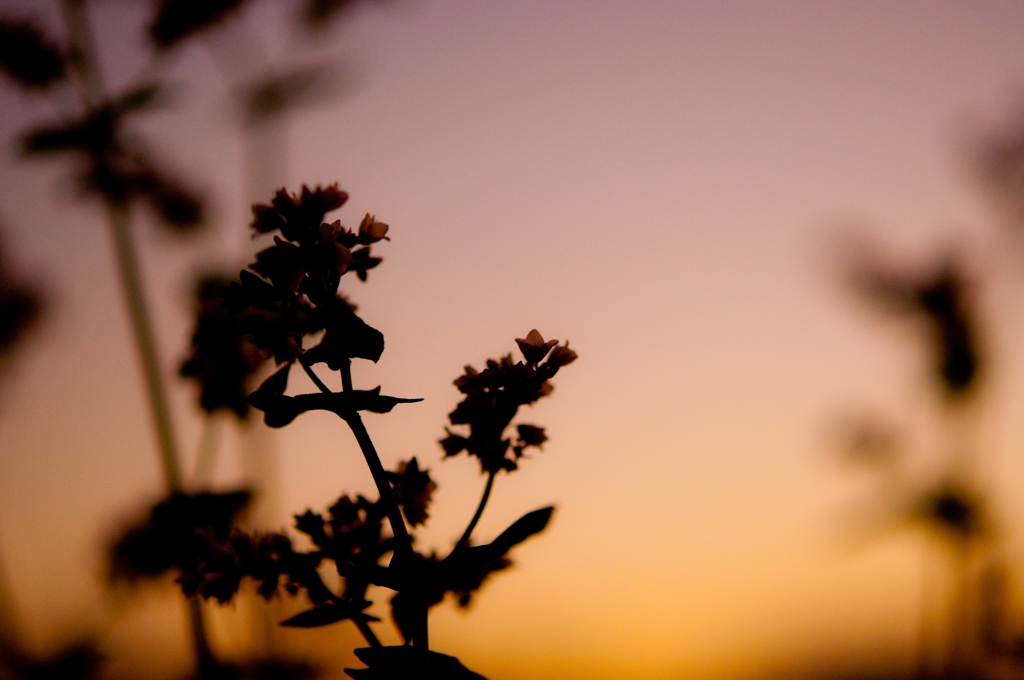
<point>948,498</point>
<point>93,127</point>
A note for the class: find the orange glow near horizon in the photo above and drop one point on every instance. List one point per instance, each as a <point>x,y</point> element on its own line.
<point>661,183</point>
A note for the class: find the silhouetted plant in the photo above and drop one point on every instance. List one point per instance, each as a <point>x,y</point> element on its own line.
<point>951,507</point>
<point>115,165</point>
<point>291,293</point>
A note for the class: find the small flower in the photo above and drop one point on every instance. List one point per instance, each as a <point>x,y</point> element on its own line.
<point>371,231</point>
<point>533,347</point>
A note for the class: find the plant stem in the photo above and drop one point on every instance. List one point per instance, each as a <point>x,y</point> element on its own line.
<point>346,376</point>
<point>314,377</point>
<point>464,541</point>
<point>355,423</point>
<point>204,655</point>
<point>367,632</point>
<point>132,284</point>
<point>92,91</point>
<point>206,458</point>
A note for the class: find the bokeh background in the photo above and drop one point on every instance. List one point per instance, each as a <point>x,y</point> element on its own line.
<point>671,186</point>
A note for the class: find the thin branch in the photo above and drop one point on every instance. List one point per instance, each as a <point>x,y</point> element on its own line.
<point>92,88</point>
<point>314,377</point>
<point>367,632</point>
<point>355,423</point>
<point>346,376</point>
<point>464,541</point>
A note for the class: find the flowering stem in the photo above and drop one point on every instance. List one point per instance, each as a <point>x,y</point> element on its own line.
<point>355,423</point>
<point>464,541</point>
<point>404,550</point>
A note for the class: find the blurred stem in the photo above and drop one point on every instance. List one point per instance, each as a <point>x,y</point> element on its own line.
<point>206,458</point>
<point>205,662</point>
<point>464,541</point>
<point>93,93</point>
<point>91,86</point>
<point>132,284</point>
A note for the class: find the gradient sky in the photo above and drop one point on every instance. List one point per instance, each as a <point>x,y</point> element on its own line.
<point>665,184</point>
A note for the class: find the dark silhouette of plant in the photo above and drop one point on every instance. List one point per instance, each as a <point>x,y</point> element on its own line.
<point>20,307</point>
<point>288,294</point>
<point>949,507</point>
<point>94,129</point>
<point>77,661</point>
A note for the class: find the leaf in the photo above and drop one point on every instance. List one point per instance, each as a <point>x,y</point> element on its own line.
<point>353,338</point>
<point>325,615</point>
<point>278,409</point>
<point>53,139</point>
<point>526,526</point>
<point>375,402</point>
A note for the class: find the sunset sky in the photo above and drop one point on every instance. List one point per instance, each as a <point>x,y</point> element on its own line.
<point>667,185</point>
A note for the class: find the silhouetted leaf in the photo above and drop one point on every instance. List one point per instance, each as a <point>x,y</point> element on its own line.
<point>353,338</point>
<point>278,409</point>
<point>326,614</point>
<point>528,525</point>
